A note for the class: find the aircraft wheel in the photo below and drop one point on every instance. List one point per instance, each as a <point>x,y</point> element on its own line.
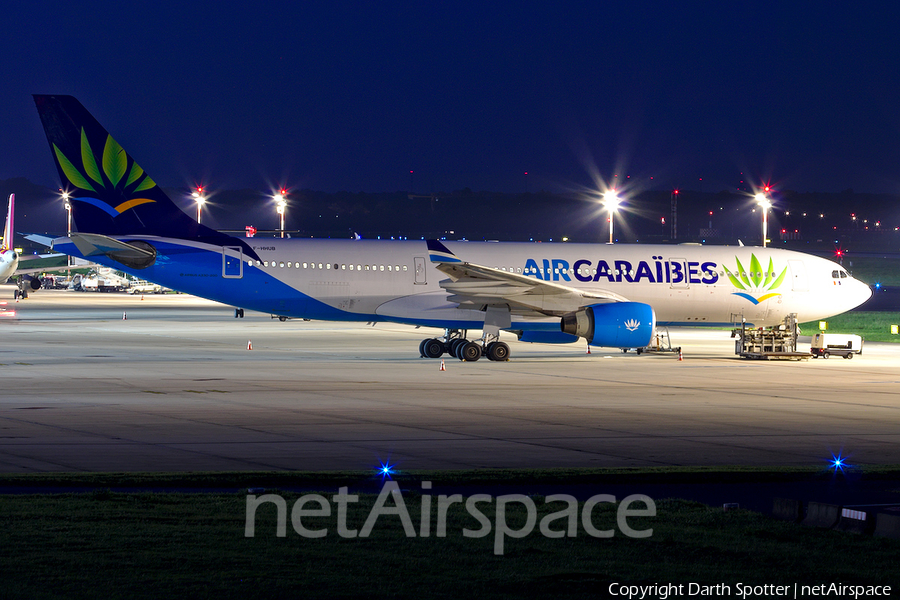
<point>241,310</point>
<point>282,319</point>
<point>432,348</point>
<point>422,348</point>
<point>15,294</point>
<point>497,351</point>
<point>455,345</point>
<point>24,294</point>
<point>470,351</point>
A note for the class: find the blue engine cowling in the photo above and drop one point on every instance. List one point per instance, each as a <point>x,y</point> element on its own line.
<point>614,325</point>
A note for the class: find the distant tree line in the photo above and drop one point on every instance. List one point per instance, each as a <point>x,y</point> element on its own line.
<point>798,219</point>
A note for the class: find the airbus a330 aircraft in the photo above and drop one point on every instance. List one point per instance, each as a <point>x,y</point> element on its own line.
<point>610,295</point>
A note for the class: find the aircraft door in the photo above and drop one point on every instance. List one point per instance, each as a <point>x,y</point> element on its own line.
<point>799,282</point>
<point>420,270</point>
<point>677,274</point>
<point>232,262</point>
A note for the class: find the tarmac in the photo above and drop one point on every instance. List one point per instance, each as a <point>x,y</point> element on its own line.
<point>174,387</point>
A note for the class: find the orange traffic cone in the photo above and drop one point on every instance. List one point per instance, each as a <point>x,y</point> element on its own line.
<point>589,349</point>
<point>249,345</point>
<point>124,316</point>
<point>443,368</point>
<point>680,355</point>
<point>142,296</point>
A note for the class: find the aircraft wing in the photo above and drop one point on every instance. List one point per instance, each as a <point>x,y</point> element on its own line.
<point>39,263</point>
<point>472,284</point>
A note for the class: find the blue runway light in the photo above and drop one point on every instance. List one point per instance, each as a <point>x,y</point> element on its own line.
<point>385,469</point>
<point>838,462</point>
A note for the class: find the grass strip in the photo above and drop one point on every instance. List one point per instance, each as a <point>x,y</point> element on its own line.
<point>873,326</point>
<point>151,545</point>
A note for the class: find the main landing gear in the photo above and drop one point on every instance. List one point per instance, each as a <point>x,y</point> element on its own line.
<point>454,343</point>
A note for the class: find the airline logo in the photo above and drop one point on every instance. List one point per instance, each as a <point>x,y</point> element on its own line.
<point>656,270</point>
<point>757,285</point>
<point>632,325</point>
<point>115,177</point>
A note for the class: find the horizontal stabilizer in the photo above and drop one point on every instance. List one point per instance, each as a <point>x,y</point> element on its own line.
<point>130,255</point>
<point>92,244</point>
<point>44,240</point>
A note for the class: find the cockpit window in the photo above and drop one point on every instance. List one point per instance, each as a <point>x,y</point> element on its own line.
<point>844,274</point>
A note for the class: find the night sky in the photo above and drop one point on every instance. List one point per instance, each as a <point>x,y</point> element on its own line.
<point>353,96</point>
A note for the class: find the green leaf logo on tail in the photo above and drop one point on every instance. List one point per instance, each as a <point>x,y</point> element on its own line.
<point>754,281</point>
<point>110,181</point>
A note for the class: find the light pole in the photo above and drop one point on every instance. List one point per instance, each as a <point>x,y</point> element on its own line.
<point>200,198</point>
<point>68,205</point>
<point>611,203</point>
<point>765,205</point>
<point>280,205</point>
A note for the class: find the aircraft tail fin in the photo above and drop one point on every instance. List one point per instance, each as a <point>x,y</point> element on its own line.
<point>8,230</point>
<point>110,193</point>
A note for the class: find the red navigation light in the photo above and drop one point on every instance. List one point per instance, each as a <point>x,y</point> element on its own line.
<point>674,191</point>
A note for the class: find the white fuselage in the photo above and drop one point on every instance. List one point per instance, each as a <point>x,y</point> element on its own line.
<point>683,283</point>
<point>394,280</point>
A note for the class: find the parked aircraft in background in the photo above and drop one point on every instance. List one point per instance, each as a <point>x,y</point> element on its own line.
<point>22,266</point>
<point>609,295</point>
<point>9,258</point>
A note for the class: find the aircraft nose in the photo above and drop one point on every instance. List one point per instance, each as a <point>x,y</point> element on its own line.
<point>861,292</point>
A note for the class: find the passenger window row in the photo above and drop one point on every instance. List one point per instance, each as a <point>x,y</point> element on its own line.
<point>335,266</point>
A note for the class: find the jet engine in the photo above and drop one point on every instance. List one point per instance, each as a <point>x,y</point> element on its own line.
<point>614,325</point>
<point>27,283</point>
